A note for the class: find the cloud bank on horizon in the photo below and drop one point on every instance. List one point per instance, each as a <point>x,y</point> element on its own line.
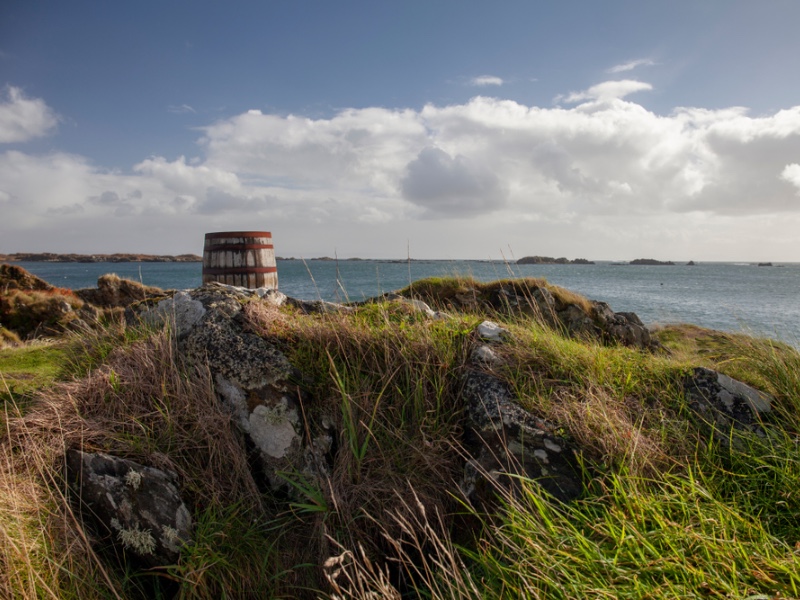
<point>595,174</point>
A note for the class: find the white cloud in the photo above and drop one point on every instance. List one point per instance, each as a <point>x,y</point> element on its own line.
<point>630,65</point>
<point>791,173</point>
<point>447,186</point>
<point>484,80</point>
<point>23,119</point>
<point>603,171</point>
<point>181,109</point>
<point>609,90</point>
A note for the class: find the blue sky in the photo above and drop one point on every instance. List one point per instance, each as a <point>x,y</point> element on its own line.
<point>610,130</point>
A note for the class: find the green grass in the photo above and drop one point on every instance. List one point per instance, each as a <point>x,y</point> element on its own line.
<point>670,537</point>
<point>666,514</point>
<point>27,368</point>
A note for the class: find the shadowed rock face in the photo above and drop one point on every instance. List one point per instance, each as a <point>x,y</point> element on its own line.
<point>504,440</point>
<point>726,405</point>
<point>137,506</point>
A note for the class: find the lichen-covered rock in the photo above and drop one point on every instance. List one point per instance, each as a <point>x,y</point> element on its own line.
<point>253,379</point>
<point>483,354</point>
<point>726,405</point>
<point>138,507</point>
<point>504,440</point>
<point>319,306</point>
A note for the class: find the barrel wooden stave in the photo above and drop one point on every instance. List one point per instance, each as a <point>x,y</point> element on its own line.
<point>245,259</point>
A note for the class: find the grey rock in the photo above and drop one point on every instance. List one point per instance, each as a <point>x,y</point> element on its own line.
<point>726,405</point>
<point>138,507</point>
<point>319,306</point>
<point>253,379</point>
<point>504,440</point>
<point>484,355</point>
<point>272,296</point>
<point>491,331</point>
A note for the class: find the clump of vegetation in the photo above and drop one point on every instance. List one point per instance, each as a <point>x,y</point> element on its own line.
<point>113,291</point>
<point>13,277</point>
<point>32,313</point>
<point>667,512</point>
<point>8,338</point>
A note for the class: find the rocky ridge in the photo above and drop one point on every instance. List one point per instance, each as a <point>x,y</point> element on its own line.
<point>286,431</point>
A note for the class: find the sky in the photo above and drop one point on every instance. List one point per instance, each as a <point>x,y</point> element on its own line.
<point>432,129</point>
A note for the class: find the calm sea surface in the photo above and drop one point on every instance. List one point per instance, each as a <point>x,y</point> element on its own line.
<point>727,296</point>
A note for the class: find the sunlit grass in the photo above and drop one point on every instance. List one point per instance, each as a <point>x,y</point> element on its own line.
<point>666,513</point>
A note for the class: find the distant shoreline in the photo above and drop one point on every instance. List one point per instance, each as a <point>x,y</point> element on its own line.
<point>96,258</point>
<point>129,257</point>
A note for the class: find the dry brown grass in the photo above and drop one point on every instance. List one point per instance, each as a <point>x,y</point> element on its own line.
<point>386,378</point>
<point>613,432</point>
<point>141,405</point>
<point>38,312</point>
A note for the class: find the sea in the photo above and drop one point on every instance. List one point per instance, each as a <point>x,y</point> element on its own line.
<point>735,297</point>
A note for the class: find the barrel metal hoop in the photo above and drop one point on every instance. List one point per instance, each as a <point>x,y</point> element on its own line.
<point>230,234</point>
<point>237,270</point>
<point>238,247</point>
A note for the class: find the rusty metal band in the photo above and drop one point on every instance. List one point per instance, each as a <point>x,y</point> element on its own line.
<point>235,234</point>
<point>237,270</point>
<point>214,247</point>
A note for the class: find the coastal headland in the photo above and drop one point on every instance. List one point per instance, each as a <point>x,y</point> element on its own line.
<point>281,447</point>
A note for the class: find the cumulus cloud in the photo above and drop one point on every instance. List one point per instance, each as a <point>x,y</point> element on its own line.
<point>588,166</point>
<point>447,186</point>
<point>630,65</point>
<point>484,80</point>
<point>791,173</point>
<point>22,118</point>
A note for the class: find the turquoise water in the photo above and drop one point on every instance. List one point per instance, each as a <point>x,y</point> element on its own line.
<point>725,296</point>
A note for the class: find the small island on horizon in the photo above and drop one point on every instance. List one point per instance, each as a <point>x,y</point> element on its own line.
<point>549,260</point>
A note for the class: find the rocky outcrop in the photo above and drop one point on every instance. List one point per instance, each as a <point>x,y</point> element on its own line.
<point>13,277</point>
<point>503,440</point>
<point>113,291</point>
<point>725,405</point>
<point>291,438</point>
<point>30,307</point>
<point>253,378</point>
<point>138,508</point>
<point>590,319</point>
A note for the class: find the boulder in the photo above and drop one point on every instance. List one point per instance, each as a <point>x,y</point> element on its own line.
<point>137,507</point>
<point>623,327</point>
<point>725,405</point>
<point>503,440</point>
<point>253,379</point>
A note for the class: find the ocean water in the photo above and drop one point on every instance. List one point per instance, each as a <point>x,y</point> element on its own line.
<point>763,301</point>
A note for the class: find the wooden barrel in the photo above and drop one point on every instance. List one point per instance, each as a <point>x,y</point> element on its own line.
<point>243,258</point>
